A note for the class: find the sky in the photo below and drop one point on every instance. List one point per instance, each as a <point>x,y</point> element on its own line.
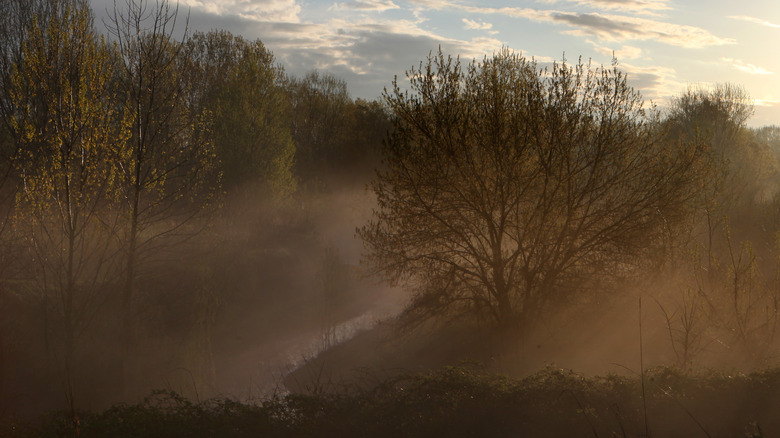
<point>665,46</point>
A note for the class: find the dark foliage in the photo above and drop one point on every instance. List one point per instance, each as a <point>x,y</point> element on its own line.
<point>459,402</point>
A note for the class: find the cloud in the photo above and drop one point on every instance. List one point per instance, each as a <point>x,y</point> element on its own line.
<point>608,27</point>
<point>747,68</point>
<point>477,24</point>
<point>367,52</point>
<point>657,83</point>
<point>622,53</point>
<point>528,13</point>
<point>367,5</point>
<point>768,102</point>
<point>620,28</point>
<point>254,10</point>
<point>755,20</point>
<point>436,4</point>
<point>632,6</point>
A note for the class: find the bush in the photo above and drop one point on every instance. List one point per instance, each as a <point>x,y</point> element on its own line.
<point>458,402</point>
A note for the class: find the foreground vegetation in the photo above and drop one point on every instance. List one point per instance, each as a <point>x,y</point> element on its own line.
<point>459,401</point>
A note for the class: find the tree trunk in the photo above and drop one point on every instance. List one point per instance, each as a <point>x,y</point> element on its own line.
<point>506,318</point>
<point>2,353</point>
<point>132,249</point>
<point>127,310</point>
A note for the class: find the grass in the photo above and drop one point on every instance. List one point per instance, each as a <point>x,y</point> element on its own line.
<point>457,402</point>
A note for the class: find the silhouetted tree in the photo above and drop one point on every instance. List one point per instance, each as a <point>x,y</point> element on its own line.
<point>16,22</point>
<point>509,188</point>
<point>716,118</point>
<point>319,104</point>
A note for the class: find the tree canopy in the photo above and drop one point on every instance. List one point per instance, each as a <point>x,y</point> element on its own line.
<point>240,84</point>
<point>509,187</point>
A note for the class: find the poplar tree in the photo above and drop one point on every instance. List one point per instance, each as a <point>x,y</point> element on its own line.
<point>69,125</point>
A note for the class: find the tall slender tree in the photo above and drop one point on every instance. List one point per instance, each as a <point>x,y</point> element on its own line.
<point>67,122</point>
<point>168,160</point>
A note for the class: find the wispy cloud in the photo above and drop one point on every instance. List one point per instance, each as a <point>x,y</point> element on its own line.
<point>657,83</point>
<point>476,24</point>
<point>254,10</point>
<point>769,102</point>
<point>367,5</point>
<point>436,4</point>
<point>616,28</point>
<point>745,67</point>
<point>651,7</point>
<point>354,41</point>
<point>755,20</point>
<point>605,27</point>
<point>621,28</point>
<point>366,51</point>
<point>621,53</point>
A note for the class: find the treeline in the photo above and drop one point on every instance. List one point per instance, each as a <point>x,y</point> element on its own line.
<point>124,150</point>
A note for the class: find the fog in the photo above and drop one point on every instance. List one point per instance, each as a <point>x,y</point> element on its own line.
<point>244,310</point>
<point>208,225</point>
<point>273,297</point>
<point>283,312</point>
<point>229,312</point>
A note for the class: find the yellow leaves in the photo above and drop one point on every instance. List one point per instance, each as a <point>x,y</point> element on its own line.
<point>68,121</point>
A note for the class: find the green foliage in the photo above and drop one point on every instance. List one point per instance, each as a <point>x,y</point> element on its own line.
<point>67,118</point>
<point>251,130</point>
<point>169,176</point>
<point>238,83</point>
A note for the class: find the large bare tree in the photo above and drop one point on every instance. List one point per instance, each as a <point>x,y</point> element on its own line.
<point>507,188</point>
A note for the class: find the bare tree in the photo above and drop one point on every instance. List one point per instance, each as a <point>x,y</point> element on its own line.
<point>168,161</point>
<point>685,326</point>
<point>509,188</point>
